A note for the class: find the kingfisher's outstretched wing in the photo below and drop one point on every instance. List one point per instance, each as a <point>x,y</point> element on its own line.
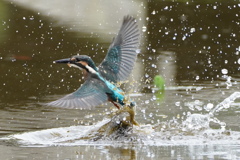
<point>122,53</point>
<point>87,96</point>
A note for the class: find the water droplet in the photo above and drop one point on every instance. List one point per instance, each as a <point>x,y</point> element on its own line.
<point>192,30</point>
<point>177,103</point>
<point>224,71</point>
<point>138,50</point>
<point>166,8</point>
<point>154,66</point>
<point>208,107</point>
<point>154,98</point>
<point>144,28</point>
<point>150,114</point>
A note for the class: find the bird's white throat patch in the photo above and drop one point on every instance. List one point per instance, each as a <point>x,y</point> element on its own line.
<point>90,69</point>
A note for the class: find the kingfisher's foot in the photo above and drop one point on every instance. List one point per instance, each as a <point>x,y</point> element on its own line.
<point>115,104</point>
<point>131,112</point>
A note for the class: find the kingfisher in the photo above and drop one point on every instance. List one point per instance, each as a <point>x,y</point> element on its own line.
<point>101,82</point>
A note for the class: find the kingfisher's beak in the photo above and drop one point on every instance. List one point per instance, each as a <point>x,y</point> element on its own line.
<point>66,60</point>
<point>71,63</point>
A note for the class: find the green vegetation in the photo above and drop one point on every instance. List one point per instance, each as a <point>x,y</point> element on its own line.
<point>159,83</point>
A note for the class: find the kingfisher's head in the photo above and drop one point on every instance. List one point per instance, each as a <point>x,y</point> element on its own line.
<point>79,61</point>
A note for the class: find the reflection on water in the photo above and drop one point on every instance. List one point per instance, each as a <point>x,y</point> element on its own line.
<point>193,45</point>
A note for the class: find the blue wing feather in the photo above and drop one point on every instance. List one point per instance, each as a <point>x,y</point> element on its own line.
<point>87,96</point>
<point>122,54</point>
<point>110,64</point>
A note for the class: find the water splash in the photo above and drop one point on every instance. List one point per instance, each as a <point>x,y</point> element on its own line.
<point>195,129</point>
<point>225,104</point>
<point>196,122</point>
